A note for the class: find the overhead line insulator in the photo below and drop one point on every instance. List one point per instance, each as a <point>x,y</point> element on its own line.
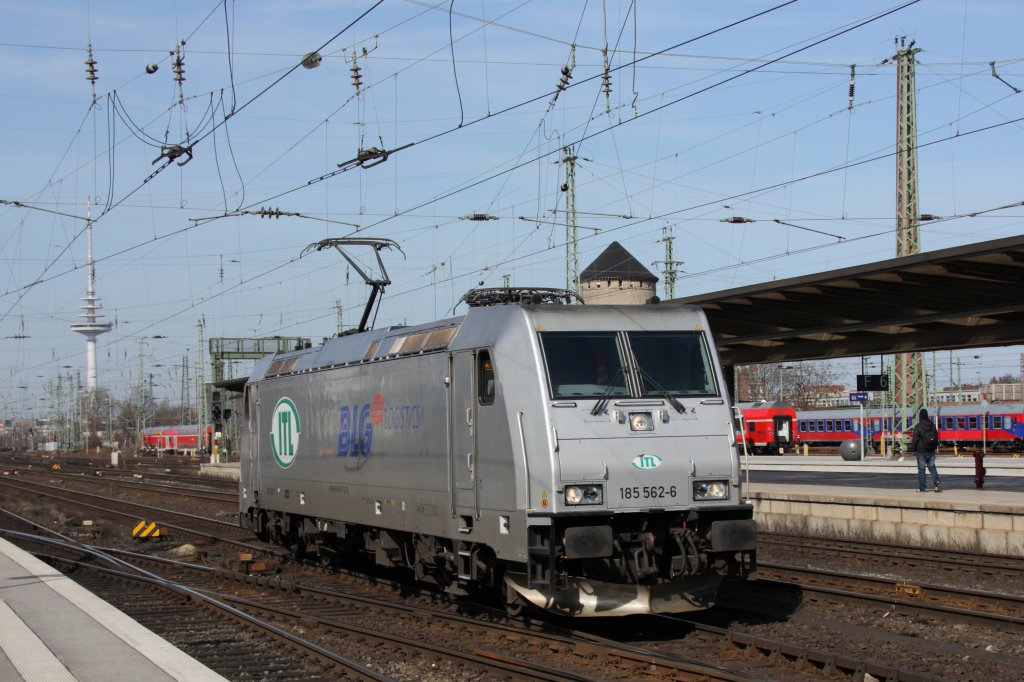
<point>356,76</point>
<point>90,67</point>
<point>606,82</point>
<point>563,82</point>
<point>849,104</point>
<point>90,72</point>
<point>178,65</point>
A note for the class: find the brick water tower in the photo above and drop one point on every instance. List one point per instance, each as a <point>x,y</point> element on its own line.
<point>616,277</point>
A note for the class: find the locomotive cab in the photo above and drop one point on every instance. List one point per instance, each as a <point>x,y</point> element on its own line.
<point>647,514</point>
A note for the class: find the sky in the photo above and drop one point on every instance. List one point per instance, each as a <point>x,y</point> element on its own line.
<point>421,114</point>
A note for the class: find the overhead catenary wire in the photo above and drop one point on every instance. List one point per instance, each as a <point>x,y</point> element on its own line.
<point>248,102</point>
<point>435,199</point>
<point>448,131</point>
<point>111,205</point>
<point>216,141</point>
<point>678,212</point>
<point>612,126</point>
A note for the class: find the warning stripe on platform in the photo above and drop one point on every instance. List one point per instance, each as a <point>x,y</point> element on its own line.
<point>145,529</point>
<point>29,655</point>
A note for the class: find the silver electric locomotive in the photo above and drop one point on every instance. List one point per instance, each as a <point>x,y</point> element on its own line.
<point>578,458</point>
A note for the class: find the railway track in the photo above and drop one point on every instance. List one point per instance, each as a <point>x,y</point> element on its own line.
<point>305,595</point>
<point>100,478</point>
<point>961,568</point>
<point>226,639</point>
<point>457,647</point>
<point>997,611</point>
<point>127,513</point>
<point>787,645</point>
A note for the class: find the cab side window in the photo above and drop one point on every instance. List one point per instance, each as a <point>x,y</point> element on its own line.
<point>485,379</point>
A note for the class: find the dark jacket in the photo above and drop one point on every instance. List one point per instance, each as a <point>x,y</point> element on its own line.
<point>926,437</point>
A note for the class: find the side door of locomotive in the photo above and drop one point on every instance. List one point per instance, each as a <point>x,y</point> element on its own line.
<point>462,432</point>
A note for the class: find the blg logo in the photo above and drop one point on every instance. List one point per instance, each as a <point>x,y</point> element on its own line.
<point>284,432</point>
<point>355,429</point>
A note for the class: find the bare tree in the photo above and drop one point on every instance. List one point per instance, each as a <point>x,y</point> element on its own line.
<point>166,414</point>
<point>799,383</point>
<point>95,410</point>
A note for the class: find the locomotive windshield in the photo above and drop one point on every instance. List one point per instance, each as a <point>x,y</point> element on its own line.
<point>590,364</point>
<point>672,363</point>
<point>584,364</point>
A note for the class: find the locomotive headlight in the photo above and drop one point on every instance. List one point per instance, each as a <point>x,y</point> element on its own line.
<point>711,490</point>
<point>584,494</point>
<point>641,421</point>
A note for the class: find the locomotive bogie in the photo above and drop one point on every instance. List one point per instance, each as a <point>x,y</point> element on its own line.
<point>577,458</point>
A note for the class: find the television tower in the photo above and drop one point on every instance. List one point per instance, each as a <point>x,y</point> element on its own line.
<point>91,327</point>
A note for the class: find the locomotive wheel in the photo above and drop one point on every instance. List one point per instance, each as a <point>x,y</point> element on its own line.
<point>262,533</point>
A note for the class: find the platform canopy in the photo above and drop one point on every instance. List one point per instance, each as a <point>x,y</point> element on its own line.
<point>964,297</point>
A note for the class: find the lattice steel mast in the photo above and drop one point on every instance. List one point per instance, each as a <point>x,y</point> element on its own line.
<point>670,272</point>
<point>572,244</point>
<point>911,390</point>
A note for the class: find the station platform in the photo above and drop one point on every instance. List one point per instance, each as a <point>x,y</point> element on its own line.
<point>227,470</point>
<point>876,499</point>
<point>53,629</point>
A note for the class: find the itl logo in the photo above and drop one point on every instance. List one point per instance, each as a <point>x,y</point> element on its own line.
<point>645,462</point>
<point>284,432</point>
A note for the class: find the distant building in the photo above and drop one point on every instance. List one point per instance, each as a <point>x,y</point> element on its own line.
<point>832,395</point>
<point>616,277</point>
<point>742,387</point>
<point>972,393</point>
<point>1004,393</point>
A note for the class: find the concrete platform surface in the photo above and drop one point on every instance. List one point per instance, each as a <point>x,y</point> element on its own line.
<point>877,500</point>
<point>947,464</point>
<point>53,629</point>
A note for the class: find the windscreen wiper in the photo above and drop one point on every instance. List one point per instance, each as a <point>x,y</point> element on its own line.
<point>603,402</point>
<point>680,408</point>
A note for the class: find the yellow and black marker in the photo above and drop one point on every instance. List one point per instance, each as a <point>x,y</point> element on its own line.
<point>146,530</point>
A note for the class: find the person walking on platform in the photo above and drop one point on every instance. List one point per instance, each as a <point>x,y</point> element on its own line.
<point>925,443</point>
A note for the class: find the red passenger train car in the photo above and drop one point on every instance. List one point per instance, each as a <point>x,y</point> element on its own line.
<point>998,426</point>
<point>180,439</point>
<point>769,428</point>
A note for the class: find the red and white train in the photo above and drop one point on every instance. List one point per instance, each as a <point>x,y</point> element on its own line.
<point>768,428</point>
<point>177,439</point>
<point>998,427</point>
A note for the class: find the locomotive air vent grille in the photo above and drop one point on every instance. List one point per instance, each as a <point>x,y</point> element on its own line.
<point>282,366</point>
<point>372,350</point>
<point>430,339</point>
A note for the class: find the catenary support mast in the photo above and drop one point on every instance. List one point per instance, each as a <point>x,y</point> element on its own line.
<point>910,384</point>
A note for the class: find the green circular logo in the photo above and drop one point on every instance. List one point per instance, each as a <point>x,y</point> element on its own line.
<point>284,432</point>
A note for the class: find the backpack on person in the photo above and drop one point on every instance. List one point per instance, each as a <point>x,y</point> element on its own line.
<point>929,436</point>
